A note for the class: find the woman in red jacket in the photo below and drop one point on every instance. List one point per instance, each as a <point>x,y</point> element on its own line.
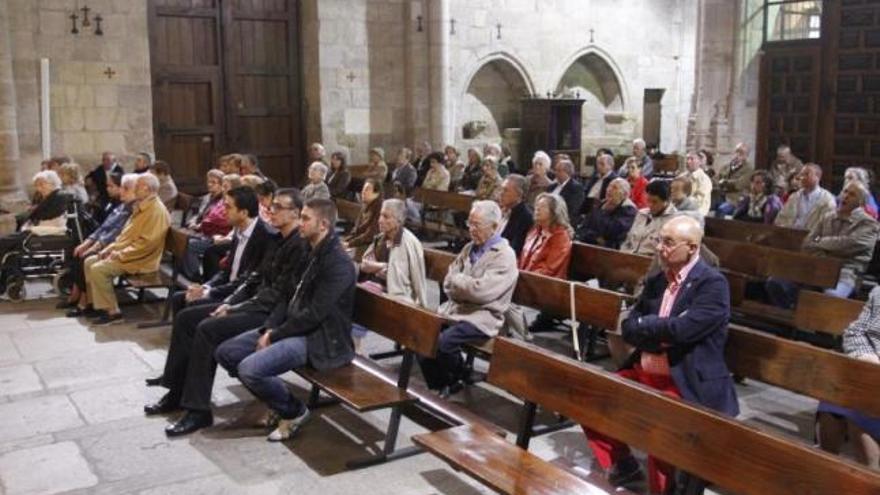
<point>638,185</point>
<point>547,249</point>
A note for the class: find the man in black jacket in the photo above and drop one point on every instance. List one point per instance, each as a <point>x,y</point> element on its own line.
<point>189,367</point>
<point>316,330</point>
<point>96,180</point>
<point>569,188</point>
<point>516,216</point>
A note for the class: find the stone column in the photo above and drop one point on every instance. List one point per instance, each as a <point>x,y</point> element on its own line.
<point>8,123</point>
<point>438,70</point>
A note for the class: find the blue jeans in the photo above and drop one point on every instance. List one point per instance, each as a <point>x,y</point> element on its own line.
<point>784,294</point>
<point>259,370</point>
<point>725,209</point>
<point>843,290</point>
<point>448,367</point>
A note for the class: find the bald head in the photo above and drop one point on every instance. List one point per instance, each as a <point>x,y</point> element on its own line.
<point>683,229</point>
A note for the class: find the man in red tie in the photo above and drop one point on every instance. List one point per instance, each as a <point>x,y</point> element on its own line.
<point>678,327</point>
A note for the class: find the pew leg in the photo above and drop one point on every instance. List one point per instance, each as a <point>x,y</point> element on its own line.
<point>526,422</point>
<point>314,395</point>
<point>389,450</point>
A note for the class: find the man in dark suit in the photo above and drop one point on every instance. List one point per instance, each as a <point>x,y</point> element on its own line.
<point>96,181</point>
<point>568,187</point>
<point>516,216</point>
<point>190,366</point>
<point>598,184</point>
<point>678,328</point>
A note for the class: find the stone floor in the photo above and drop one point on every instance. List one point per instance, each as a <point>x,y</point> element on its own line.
<point>71,421</point>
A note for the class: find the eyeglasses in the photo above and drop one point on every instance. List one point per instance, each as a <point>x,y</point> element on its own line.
<point>669,243</point>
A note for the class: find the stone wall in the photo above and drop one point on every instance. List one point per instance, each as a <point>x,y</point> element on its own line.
<point>90,112</point>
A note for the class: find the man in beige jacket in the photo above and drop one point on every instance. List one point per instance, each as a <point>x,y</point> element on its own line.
<point>479,285</point>
<point>137,249</point>
<point>806,207</point>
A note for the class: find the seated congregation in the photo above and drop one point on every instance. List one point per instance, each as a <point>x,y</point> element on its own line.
<point>268,279</point>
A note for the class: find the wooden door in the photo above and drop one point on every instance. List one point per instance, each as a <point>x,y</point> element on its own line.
<point>185,57</point>
<point>789,100</point>
<point>262,80</point>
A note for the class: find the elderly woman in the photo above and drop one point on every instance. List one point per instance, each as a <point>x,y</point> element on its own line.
<point>340,177</point>
<point>473,172</point>
<point>864,176</point>
<point>167,187</point>
<point>608,225</point>
<point>437,178</point>
<point>490,184</point>
<point>72,183</point>
<point>537,179</point>
<point>761,204</point>
<point>454,165</point>
<point>377,168</point>
<point>394,262</point>
<point>479,286</point>
<point>367,224</point>
<point>209,223</point>
<point>316,188</point>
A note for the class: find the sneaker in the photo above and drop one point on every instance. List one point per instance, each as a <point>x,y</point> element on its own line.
<point>287,427</point>
<point>107,319</point>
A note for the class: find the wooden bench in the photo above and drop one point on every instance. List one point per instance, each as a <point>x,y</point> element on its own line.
<point>756,233</point>
<point>348,211</point>
<point>715,448</point>
<point>614,269</point>
<point>439,204</point>
<point>176,241</point>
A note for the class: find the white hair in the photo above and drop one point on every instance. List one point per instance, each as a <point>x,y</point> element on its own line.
<point>129,179</point>
<point>542,157</point>
<point>488,210</point>
<point>397,209</point>
<point>151,181</point>
<point>639,142</point>
<point>320,167</point>
<point>318,146</point>
<point>494,147</point>
<point>49,177</point>
<point>623,184</point>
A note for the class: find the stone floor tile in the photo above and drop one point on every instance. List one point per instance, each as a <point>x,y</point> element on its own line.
<point>19,379</point>
<point>115,401</point>
<point>8,351</point>
<point>36,344</point>
<point>47,469</point>
<point>93,365</point>
<point>34,416</point>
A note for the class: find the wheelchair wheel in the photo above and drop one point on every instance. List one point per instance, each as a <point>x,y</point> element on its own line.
<point>62,282</point>
<point>15,289</point>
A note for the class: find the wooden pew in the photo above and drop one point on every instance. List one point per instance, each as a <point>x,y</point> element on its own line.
<point>756,233</point>
<point>438,204</point>
<point>348,210</point>
<point>614,269</point>
<point>715,448</point>
<point>416,330</point>
<point>819,312</point>
<point>176,242</point>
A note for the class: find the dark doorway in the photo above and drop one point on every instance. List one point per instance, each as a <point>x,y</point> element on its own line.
<point>652,115</point>
<point>226,79</point>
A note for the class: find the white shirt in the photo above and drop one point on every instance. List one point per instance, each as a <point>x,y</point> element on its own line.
<point>243,237</point>
<point>558,189</point>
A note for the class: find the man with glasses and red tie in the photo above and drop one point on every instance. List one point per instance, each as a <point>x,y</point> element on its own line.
<point>678,327</point>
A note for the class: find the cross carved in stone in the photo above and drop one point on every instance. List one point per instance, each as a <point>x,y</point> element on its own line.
<point>498,27</point>
<point>351,77</point>
<point>109,73</point>
<point>73,17</point>
<point>591,35</point>
<point>85,10</point>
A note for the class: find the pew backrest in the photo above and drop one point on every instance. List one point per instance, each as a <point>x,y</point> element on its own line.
<point>412,327</point>
<point>818,312</point>
<point>349,211</point>
<point>613,268</point>
<point>702,442</point>
<point>444,200</point>
<point>756,233</point>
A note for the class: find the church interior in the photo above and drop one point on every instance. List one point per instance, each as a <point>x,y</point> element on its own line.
<point>439,246</point>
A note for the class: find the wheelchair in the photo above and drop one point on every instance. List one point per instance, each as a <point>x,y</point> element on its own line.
<point>45,256</point>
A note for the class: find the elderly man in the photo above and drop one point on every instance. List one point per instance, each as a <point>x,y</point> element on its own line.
<point>701,184</point>
<point>678,327</point>
<point>849,234</point>
<point>96,180</point>
<point>734,179</point>
<point>317,187</point>
<point>785,165</point>
<point>642,237</point>
<point>516,216</point>
<point>608,224</point>
<point>567,187</point>
<point>316,330</point>
<point>137,249</point>
<point>806,208</point>
<point>420,162</point>
<point>639,152</point>
<point>479,285</point>
<point>597,187</point>
<point>316,153</point>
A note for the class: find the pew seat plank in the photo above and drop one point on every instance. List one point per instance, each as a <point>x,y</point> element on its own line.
<point>357,388</point>
<point>499,464</point>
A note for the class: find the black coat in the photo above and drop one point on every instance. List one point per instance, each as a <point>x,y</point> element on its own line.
<point>52,206</point>
<point>262,238</point>
<point>573,195</point>
<point>322,306</point>
<point>98,176</point>
<point>274,283</point>
<point>607,228</point>
<point>588,205</point>
<point>518,226</point>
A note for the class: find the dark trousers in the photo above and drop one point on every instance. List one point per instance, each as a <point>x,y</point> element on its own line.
<point>448,367</point>
<point>190,366</point>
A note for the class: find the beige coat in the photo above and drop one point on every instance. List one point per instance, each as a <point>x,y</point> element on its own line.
<point>405,274</point>
<point>824,205</point>
<point>851,239</point>
<point>735,182</point>
<point>142,240</point>
<point>701,190</point>
<point>645,231</point>
<point>437,179</point>
<point>480,293</point>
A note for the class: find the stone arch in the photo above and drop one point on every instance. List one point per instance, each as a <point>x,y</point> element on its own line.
<point>490,101</point>
<point>594,76</point>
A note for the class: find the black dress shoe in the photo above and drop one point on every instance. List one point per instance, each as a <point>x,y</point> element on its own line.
<point>65,304</point>
<point>88,312</point>
<point>191,422</point>
<point>451,389</point>
<point>165,405</point>
<point>158,381</point>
